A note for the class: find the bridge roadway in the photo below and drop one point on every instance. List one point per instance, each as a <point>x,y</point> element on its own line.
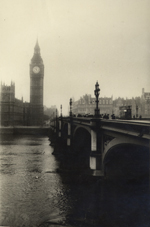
<point>104,135</point>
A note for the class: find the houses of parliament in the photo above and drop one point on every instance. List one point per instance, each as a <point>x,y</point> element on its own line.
<point>14,111</point>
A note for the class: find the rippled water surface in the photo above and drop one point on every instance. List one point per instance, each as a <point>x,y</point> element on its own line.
<point>35,192</point>
<point>30,187</point>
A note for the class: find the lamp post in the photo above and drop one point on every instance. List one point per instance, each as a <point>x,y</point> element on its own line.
<point>70,107</point>
<point>61,110</point>
<point>56,113</point>
<point>60,121</point>
<point>53,119</point>
<point>56,120</point>
<point>136,111</point>
<point>97,92</point>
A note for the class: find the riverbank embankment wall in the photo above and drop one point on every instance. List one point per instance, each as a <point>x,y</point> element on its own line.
<point>25,130</point>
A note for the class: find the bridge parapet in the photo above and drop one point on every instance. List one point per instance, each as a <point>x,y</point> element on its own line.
<point>131,128</point>
<point>140,129</point>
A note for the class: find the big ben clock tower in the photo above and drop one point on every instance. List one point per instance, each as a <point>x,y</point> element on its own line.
<point>36,87</point>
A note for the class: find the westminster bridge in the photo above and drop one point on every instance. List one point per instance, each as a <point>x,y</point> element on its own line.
<point>101,140</point>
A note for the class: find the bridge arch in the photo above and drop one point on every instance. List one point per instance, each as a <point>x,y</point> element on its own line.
<point>125,158</point>
<point>80,128</point>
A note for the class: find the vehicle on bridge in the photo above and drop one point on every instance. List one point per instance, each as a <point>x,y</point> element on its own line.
<point>125,112</point>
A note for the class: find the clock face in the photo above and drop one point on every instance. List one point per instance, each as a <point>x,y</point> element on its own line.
<point>36,69</point>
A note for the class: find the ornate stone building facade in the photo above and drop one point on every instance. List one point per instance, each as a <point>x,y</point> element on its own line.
<point>145,100</point>
<point>140,106</point>
<point>11,108</point>
<point>86,105</point>
<point>134,103</point>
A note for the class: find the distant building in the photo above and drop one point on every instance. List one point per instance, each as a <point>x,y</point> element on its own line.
<point>117,103</point>
<point>11,108</point>
<point>87,105</point>
<point>134,103</point>
<point>51,112</point>
<point>145,100</point>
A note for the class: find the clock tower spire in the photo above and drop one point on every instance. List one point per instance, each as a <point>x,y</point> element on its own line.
<point>37,48</point>
<point>36,87</point>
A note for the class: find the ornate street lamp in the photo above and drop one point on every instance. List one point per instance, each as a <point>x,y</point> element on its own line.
<point>53,119</point>
<point>56,117</point>
<point>61,110</point>
<point>70,107</point>
<point>56,113</point>
<point>97,92</point>
<point>137,111</point>
<point>56,122</point>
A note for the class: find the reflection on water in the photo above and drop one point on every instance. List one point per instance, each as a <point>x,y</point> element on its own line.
<point>36,191</point>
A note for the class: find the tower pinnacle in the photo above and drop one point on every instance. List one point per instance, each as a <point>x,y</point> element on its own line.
<point>37,48</point>
<point>36,56</point>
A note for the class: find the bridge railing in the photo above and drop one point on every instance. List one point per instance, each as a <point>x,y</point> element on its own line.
<point>127,124</point>
<point>140,128</point>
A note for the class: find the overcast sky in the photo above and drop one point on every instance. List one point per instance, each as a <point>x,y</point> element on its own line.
<point>81,41</point>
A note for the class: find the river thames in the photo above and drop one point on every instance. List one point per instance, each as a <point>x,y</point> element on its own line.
<point>36,192</point>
